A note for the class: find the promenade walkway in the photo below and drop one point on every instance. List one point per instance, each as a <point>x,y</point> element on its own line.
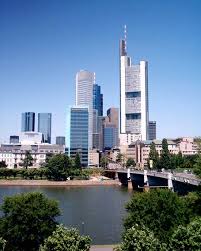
<point>102,248</point>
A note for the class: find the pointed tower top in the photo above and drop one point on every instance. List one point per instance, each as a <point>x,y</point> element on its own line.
<point>125,36</point>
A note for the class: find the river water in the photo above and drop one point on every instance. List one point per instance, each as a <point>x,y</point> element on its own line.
<point>97,211</point>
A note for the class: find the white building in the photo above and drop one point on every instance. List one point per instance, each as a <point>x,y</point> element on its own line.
<point>30,138</point>
<point>84,95</point>
<point>134,110</point>
<point>13,154</point>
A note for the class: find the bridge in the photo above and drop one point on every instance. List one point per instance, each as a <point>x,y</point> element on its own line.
<point>138,180</point>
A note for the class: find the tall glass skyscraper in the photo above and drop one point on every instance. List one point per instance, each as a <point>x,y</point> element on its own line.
<point>98,99</point>
<point>28,122</point>
<point>84,96</point>
<point>45,125</point>
<point>152,130</point>
<point>134,110</point>
<point>79,133</point>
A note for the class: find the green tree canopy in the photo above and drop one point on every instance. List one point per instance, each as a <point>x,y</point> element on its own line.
<point>187,237</point>
<point>3,164</point>
<point>27,161</point>
<point>130,162</point>
<point>153,156</point>
<point>160,210</point>
<point>2,244</point>
<point>58,167</point>
<point>104,161</point>
<point>64,239</point>
<point>165,159</point>
<point>140,238</point>
<point>197,166</point>
<point>27,219</point>
<point>77,162</point>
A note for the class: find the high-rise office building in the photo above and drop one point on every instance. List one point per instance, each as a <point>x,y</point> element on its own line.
<point>98,99</point>
<point>44,126</point>
<point>110,133</point>
<point>113,115</point>
<point>28,122</point>
<point>14,139</point>
<point>152,130</point>
<point>60,140</point>
<point>110,128</point>
<point>134,110</point>
<point>84,97</point>
<point>79,130</point>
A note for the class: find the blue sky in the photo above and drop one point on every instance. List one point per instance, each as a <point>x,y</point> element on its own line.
<point>43,43</point>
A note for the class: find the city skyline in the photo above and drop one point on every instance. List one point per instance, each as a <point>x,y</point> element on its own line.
<point>27,74</point>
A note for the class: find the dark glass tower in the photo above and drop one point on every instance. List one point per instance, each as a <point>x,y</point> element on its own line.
<point>79,129</point>
<point>44,126</point>
<point>98,99</point>
<point>28,122</point>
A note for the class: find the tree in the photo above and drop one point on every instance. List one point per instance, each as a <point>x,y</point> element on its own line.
<point>153,156</point>
<point>140,238</point>
<point>165,161</point>
<point>58,167</point>
<point>197,166</point>
<point>187,237</point>
<point>104,161</point>
<point>27,161</point>
<point>130,162</point>
<point>160,210</point>
<point>77,162</point>
<point>65,239</point>
<point>120,158</point>
<point>2,244</point>
<point>3,164</point>
<point>27,220</point>
<point>180,160</point>
<point>48,157</point>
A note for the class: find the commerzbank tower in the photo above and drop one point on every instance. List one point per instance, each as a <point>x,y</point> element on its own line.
<point>134,107</point>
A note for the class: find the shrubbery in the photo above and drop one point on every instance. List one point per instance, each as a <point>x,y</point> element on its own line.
<point>29,220</point>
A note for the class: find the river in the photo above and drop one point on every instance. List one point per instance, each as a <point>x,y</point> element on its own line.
<point>96,211</point>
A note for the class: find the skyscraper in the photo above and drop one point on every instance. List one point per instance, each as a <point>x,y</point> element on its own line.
<point>79,129</point>
<point>28,122</point>
<point>98,99</point>
<point>44,126</point>
<point>152,130</point>
<point>134,110</point>
<point>60,140</point>
<point>110,128</point>
<point>113,115</point>
<point>14,139</point>
<point>84,96</point>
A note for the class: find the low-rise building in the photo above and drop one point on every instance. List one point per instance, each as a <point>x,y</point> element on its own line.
<point>94,157</point>
<point>13,154</point>
<point>139,150</point>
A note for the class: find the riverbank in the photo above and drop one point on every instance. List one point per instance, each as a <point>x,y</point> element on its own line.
<point>68,183</point>
<point>102,248</point>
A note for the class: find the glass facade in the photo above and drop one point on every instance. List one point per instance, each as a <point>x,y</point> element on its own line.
<point>79,129</point>
<point>28,122</point>
<point>44,126</point>
<point>84,96</point>
<point>110,137</point>
<point>152,130</point>
<point>60,140</point>
<point>98,99</point>
<point>14,139</point>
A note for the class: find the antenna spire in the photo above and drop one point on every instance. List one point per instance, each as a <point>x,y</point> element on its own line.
<point>125,36</point>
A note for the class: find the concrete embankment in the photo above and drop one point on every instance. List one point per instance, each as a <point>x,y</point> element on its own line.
<point>102,248</point>
<point>68,183</point>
